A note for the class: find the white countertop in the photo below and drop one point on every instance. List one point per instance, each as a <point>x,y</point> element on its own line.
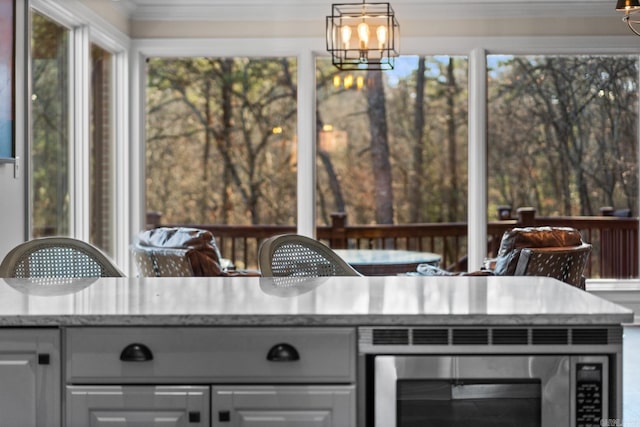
<point>323,301</point>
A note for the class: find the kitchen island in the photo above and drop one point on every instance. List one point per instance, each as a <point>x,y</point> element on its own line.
<point>248,351</point>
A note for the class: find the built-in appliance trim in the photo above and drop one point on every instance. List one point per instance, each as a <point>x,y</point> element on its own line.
<point>466,339</point>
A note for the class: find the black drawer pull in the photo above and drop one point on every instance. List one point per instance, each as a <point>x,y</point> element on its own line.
<point>136,353</point>
<point>283,352</point>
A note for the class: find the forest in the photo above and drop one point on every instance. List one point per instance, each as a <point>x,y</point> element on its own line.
<point>391,146</point>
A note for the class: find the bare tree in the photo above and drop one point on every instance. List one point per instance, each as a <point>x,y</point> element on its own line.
<point>379,148</point>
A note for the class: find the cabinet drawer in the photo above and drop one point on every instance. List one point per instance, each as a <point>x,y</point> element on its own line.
<point>204,355</point>
<point>283,406</point>
<point>102,406</point>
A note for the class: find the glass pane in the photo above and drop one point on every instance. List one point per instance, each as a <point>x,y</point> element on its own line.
<point>392,145</point>
<point>101,161</point>
<point>221,140</point>
<point>49,127</point>
<point>563,140</point>
<point>468,403</point>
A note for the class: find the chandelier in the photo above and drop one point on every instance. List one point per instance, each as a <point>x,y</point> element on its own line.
<point>349,38</point>
<point>630,7</point>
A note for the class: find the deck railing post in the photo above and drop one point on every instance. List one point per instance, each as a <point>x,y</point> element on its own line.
<point>526,217</point>
<point>338,238</point>
<point>607,211</point>
<point>153,219</point>
<point>504,213</point>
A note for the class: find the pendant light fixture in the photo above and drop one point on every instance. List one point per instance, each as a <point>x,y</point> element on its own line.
<point>363,36</point>
<point>630,7</point>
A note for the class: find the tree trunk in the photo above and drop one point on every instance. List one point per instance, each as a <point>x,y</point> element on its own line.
<point>379,148</point>
<point>453,145</point>
<point>334,183</point>
<point>225,140</point>
<point>417,175</point>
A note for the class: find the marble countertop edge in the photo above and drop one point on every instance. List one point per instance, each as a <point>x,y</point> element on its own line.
<point>313,320</point>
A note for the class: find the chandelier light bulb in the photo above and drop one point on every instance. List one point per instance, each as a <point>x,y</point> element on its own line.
<point>346,35</point>
<point>381,32</point>
<point>363,34</point>
<point>348,81</point>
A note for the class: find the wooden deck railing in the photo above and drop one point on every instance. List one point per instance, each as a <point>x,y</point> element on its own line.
<point>614,239</point>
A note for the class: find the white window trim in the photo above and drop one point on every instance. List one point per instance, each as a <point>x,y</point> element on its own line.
<point>304,50</point>
<point>87,27</point>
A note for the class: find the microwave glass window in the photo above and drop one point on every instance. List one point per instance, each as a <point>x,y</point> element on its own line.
<point>468,403</point>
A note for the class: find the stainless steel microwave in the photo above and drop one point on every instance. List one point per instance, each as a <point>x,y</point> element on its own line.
<point>491,390</point>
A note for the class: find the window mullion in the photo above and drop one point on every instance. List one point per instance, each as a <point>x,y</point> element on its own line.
<point>80,155</point>
<point>306,144</point>
<point>477,146</point>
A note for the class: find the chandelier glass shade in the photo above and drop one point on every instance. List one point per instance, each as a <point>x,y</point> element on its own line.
<point>630,8</point>
<point>363,36</point>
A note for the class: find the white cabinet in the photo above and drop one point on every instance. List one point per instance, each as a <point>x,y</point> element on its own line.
<point>30,378</point>
<point>283,406</point>
<point>137,406</point>
<point>253,376</point>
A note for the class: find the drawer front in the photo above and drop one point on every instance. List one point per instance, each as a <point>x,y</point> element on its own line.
<point>283,406</point>
<point>204,355</point>
<point>108,406</point>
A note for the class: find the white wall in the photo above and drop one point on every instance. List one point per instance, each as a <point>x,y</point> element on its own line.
<point>495,27</point>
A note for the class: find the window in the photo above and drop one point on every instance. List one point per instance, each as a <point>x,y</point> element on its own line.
<point>563,135</point>
<point>50,143</point>
<point>392,146</point>
<point>78,130</point>
<point>221,140</point>
<point>562,132</point>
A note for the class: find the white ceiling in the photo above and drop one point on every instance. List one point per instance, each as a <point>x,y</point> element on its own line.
<point>250,10</point>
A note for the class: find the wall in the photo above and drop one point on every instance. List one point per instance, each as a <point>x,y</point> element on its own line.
<point>12,189</point>
<point>494,27</point>
<point>110,13</point>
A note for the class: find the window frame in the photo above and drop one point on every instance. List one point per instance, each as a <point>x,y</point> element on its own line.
<point>306,50</point>
<point>86,27</point>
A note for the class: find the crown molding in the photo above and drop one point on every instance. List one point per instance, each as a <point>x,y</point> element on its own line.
<point>309,10</point>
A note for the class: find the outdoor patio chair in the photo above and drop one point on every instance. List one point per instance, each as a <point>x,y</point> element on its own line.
<point>565,264</point>
<point>296,255</point>
<point>57,257</point>
<point>181,252</point>
<point>557,252</point>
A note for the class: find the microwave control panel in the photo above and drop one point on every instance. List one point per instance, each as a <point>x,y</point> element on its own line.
<point>589,396</point>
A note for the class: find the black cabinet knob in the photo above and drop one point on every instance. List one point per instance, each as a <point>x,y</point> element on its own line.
<point>136,353</point>
<point>283,352</point>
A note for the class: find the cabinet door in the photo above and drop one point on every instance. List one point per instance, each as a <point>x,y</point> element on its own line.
<point>29,378</point>
<point>283,406</point>
<point>137,406</point>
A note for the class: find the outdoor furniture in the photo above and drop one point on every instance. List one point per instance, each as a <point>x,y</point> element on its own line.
<point>181,252</point>
<point>296,255</point>
<point>57,257</point>
<point>557,252</point>
<point>386,262</point>
<point>565,264</point>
